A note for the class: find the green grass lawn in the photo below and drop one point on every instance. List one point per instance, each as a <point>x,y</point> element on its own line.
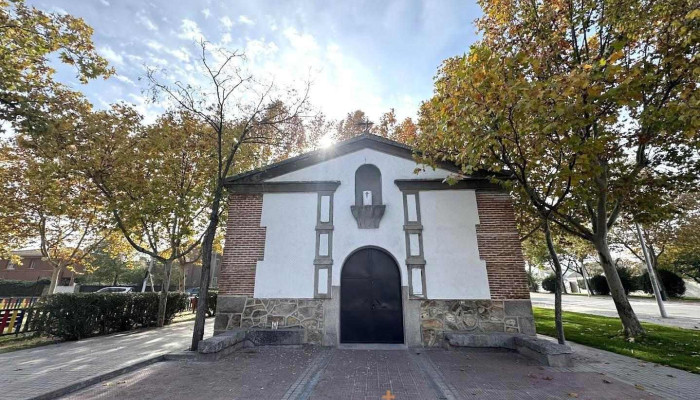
<point>23,341</point>
<point>675,347</point>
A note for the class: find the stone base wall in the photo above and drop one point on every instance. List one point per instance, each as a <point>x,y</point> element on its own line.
<point>247,312</point>
<point>473,316</point>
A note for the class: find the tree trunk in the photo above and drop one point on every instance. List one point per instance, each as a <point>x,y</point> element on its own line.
<point>116,279</point>
<point>163,303</point>
<point>207,246</point>
<point>631,326</point>
<point>54,279</point>
<point>557,286</point>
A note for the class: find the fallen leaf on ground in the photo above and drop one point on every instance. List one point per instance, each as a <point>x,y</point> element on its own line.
<point>640,387</point>
<point>606,381</point>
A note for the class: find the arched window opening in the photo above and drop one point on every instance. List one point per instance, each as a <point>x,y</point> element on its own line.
<point>368,186</point>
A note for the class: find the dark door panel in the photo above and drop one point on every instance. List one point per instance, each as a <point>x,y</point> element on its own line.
<point>370,299</point>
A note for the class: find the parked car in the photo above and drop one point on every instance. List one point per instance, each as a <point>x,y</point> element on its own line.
<point>192,292</point>
<point>116,289</point>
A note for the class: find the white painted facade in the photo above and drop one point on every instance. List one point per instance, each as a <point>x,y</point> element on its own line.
<point>453,269</point>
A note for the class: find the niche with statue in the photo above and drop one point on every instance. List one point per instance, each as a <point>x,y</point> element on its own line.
<point>368,209</point>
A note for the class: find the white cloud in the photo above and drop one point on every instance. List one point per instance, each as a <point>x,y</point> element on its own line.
<point>226,22</point>
<point>104,3</point>
<point>226,38</point>
<point>111,55</point>
<point>245,20</point>
<point>190,30</point>
<point>124,79</point>
<point>206,13</point>
<point>157,46</point>
<point>145,21</point>
<point>300,41</point>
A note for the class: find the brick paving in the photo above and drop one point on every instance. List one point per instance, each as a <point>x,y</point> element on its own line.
<point>501,374</point>
<point>368,374</point>
<point>262,373</point>
<point>25,374</point>
<point>322,373</point>
<point>667,382</point>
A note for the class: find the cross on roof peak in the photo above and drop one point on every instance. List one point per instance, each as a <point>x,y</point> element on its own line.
<point>366,124</point>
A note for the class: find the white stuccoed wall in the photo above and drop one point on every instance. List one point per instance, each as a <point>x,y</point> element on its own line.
<point>287,270</point>
<point>453,268</point>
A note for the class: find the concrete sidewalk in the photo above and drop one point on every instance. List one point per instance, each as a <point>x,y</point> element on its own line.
<point>683,314</point>
<point>30,373</point>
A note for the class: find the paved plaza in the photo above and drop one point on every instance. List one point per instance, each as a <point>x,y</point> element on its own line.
<point>320,373</point>
<point>26,374</point>
<point>683,314</point>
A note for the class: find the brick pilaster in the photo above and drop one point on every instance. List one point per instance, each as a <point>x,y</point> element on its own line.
<point>245,245</point>
<point>499,246</point>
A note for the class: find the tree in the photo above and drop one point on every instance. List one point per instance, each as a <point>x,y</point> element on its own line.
<point>598,95</point>
<point>29,39</point>
<point>244,114</point>
<point>154,180</point>
<point>57,209</point>
<point>355,123</point>
<point>112,264</point>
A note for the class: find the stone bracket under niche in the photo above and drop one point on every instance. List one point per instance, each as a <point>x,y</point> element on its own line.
<point>368,217</point>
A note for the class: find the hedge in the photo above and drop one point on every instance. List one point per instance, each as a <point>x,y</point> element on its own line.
<point>600,285</point>
<point>11,288</point>
<point>673,284</point>
<point>74,316</point>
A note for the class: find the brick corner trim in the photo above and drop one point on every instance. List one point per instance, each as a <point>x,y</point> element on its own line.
<point>499,245</point>
<point>244,244</point>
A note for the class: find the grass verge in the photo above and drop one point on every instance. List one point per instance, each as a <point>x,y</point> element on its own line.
<point>674,347</point>
<point>10,343</point>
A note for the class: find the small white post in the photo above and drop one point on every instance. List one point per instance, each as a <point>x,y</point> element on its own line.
<point>652,276</point>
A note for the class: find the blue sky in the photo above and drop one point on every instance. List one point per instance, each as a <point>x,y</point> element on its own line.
<point>371,55</point>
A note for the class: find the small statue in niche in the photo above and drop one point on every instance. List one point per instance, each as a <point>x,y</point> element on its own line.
<point>368,209</point>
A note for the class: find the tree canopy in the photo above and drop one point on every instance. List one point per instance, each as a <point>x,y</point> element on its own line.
<point>591,106</point>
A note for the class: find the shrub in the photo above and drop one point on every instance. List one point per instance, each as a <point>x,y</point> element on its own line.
<point>629,282</point>
<point>672,282</point>
<point>74,316</point>
<point>600,285</point>
<point>550,283</point>
<point>12,288</point>
<point>532,282</point>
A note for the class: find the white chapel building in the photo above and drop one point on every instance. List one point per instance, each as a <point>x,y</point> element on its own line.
<point>351,245</point>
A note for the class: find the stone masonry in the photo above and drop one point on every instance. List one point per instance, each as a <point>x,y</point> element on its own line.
<point>246,312</point>
<point>473,316</point>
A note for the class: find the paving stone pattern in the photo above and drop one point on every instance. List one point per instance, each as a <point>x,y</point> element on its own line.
<point>368,374</point>
<point>502,374</point>
<point>316,373</point>
<point>25,374</point>
<point>262,373</point>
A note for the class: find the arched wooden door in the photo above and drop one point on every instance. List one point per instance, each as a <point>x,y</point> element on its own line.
<point>370,299</point>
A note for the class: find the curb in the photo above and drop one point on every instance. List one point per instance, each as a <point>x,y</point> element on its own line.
<point>73,387</point>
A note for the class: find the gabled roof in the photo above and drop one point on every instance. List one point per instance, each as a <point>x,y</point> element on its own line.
<point>357,143</point>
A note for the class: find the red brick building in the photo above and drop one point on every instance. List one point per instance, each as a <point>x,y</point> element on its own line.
<point>32,268</point>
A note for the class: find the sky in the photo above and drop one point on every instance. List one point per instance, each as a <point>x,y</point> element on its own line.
<point>369,55</point>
